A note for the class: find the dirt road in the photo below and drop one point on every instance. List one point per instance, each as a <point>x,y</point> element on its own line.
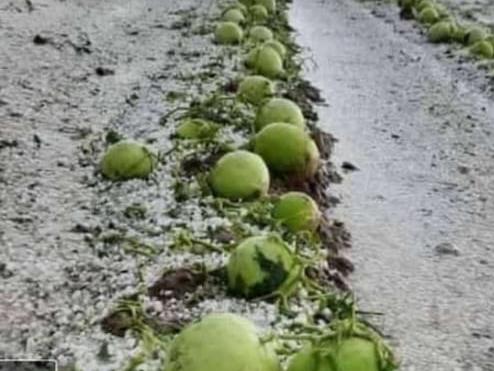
<point>421,206</point>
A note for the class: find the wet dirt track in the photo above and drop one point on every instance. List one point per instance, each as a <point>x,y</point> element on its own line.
<point>421,206</point>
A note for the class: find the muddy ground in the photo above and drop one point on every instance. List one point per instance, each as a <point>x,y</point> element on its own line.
<point>415,122</point>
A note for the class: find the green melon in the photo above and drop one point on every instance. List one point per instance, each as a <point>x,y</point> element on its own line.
<point>298,212</point>
<point>221,342</point>
<point>441,32</point>
<point>251,57</point>
<point>255,89</point>
<point>259,14</point>
<point>269,63</point>
<point>234,15</point>
<point>287,149</point>
<point>127,160</point>
<point>279,110</point>
<point>242,7</point>
<point>279,47</point>
<point>350,354</point>
<point>196,129</point>
<point>482,49</point>
<point>261,266</point>
<point>428,15</point>
<point>270,5</point>
<point>260,34</point>
<point>240,175</point>
<point>459,33</point>
<point>442,11</point>
<point>421,5</point>
<point>474,35</point>
<point>490,39</point>
<point>228,33</point>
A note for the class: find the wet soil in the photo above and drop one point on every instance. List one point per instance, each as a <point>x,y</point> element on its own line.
<point>416,125</point>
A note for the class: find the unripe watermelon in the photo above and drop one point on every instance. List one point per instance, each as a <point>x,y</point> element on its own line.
<point>221,342</point>
<point>259,14</point>
<point>287,150</point>
<point>234,15</point>
<point>228,33</point>
<point>260,34</point>
<point>240,175</point>
<point>268,63</point>
<point>298,212</point>
<point>255,89</point>
<point>127,160</point>
<point>279,110</point>
<point>260,266</point>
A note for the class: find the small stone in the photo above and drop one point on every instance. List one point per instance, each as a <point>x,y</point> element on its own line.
<point>447,248</point>
<point>348,166</point>
<point>104,71</point>
<point>40,39</point>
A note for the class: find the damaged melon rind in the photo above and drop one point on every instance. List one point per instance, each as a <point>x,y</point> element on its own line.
<point>240,175</point>
<point>228,33</point>
<point>287,150</point>
<point>127,160</point>
<point>255,89</point>
<point>260,266</point>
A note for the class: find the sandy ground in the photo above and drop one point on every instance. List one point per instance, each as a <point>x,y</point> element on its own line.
<point>69,71</point>
<point>418,126</point>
